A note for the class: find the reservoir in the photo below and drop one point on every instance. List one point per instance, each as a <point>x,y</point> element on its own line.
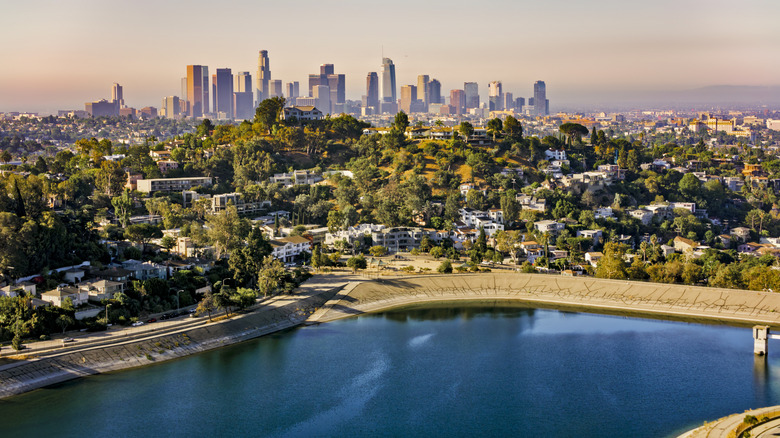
<point>436,371</point>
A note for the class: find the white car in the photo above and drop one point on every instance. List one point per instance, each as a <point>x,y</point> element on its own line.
<point>137,323</point>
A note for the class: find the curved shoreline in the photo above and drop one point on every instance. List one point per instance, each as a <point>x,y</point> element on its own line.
<point>332,297</point>
<point>679,302</point>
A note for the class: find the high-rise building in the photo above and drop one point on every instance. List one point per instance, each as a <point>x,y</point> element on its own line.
<point>183,95</point>
<point>388,81</point>
<point>275,88</point>
<point>519,103</point>
<point>434,91</point>
<point>508,102</point>
<point>321,94</point>
<point>242,82</point>
<point>541,105</point>
<point>326,69</point>
<point>116,95</point>
<point>223,94</point>
<point>195,90</point>
<point>472,94</point>
<point>422,89</point>
<point>263,75</point>
<point>408,97</point>
<point>243,107</point>
<point>314,80</point>
<point>372,91</point>
<point>337,85</point>
<point>206,106</point>
<point>292,91</point>
<point>458,101</point>
<point>495,95</point>
<point>171,107</point>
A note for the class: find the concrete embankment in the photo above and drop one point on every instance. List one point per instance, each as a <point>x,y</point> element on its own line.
<point>599,295</point>
<point>27,375</point>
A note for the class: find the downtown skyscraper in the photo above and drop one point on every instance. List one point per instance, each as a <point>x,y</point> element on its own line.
<point>389,96</point>
<point>263,76</point>
<point>372,92</point>
<point>223,93</point>
<point>197,90</point>
<point>541,104</point>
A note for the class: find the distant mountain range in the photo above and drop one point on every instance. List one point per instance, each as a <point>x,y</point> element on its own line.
<point>727,96</point>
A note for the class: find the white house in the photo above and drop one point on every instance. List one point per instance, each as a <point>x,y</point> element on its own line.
<point>58,296</point>
<point>549,226</point>
<point>553,154</point>
<point>644,216</point>
<point>287,249</point>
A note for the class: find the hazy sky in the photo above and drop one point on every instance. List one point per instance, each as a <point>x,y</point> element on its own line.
<point>58,54</point>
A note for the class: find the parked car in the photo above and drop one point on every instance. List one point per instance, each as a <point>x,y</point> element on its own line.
<point>151,320</point>
<point>137,323</point>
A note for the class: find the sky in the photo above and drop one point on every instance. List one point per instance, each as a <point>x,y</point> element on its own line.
<point>58,54</point>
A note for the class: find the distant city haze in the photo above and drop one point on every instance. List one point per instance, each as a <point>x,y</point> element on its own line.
<point>59,55</point>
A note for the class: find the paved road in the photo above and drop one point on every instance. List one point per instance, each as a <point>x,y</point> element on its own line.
<point>315,285</point>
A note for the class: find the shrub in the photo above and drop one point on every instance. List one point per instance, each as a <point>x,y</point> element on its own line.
<point>445,267</point>
<point>16,343</point>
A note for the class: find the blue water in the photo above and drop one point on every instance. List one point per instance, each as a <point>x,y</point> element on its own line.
<point>431,372</point>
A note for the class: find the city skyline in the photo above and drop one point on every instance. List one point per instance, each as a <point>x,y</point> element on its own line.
<point>603,50</point>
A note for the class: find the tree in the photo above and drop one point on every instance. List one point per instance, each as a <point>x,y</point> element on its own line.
<point>357,262</point>
<point>226,229</point>
<point>64,321</point>
<point>494,126</point>
<point>271,275</point>
<point>168,242</point>
<point>437,252</point>
<point>5,156</point>
<point>246,262</point>
<point>269,112</point>
<point>222,299</point>
<point>513,130</point>
<point>690,186</point>
<point>445,267</point>
<point>466,129</point>
<point>142,233</point>
<point>377,251</point>
<point>122,207</point>
<point>206,305</point>
<point>110,178</point>
<point>612,264</point>
<point>401,121</point>
<point>573,131</point>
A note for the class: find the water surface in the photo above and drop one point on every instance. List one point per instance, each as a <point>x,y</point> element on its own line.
<point>472,371</point>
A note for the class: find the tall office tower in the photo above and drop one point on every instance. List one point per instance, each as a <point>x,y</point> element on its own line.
<point>509,102</point>
<point>275,88</point>
<point>472,94</point>
<point>388,81</point>
<point>422,89</point>
<point>326,69</point>
<point>183,95</point>
<point>214,93</point>
<point>458,101</point>
<point>263,75</point>
<point>243,105</point>
<point>337,85</point>
<point>242,82</point>
<point>540,99</point>
<point>408,97</point>
<point>321,94</point>
<point>195,92</point>
<point>519,103</point>
<point>314,80</point>
<point>291,91</point>
<point>223,95</point>
<point>206,81</point>
<point>116,95</point>
<point>372,91</point>
<point>171,107</point>
<point>495,94</point>
<point>434,91</point>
